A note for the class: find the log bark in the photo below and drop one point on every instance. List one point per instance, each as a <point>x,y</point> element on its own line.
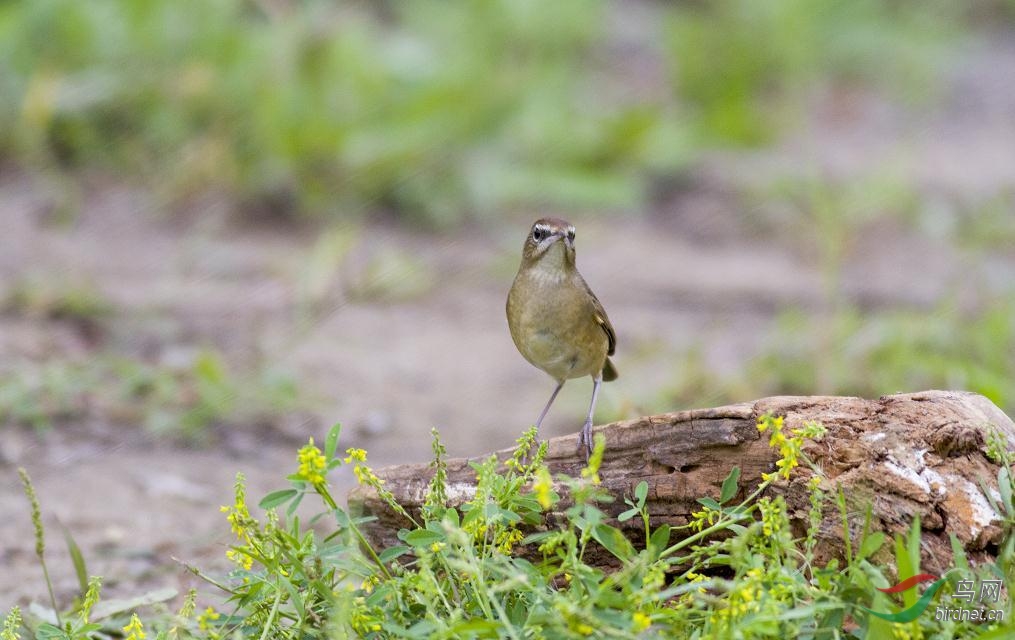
<point>904,455</point>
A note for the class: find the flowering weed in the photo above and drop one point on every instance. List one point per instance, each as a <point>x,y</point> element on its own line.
<point>512,561</point>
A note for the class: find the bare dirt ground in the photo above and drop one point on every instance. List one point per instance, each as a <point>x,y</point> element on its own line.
<point>694,271</point>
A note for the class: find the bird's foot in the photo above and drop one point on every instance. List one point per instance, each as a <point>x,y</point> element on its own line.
<point>585,439</point>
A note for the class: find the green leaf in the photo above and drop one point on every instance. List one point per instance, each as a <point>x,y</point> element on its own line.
<point>641,493</point>
<point>1001,633</point>
<point>391,553</point>
<point>508,515</point>
<point>871,544</point>
<point>422,629</point>
<point>276,498</point>
<point>294,598</point>
<point>627,515</point>
<point>959,558</point>
<point>833,619</point>
<point>990,496</point>
<point>295,504</point>
<point>470,628</point>
<point>730,485</point>
<point>1005,489</point>
<point>710,503</point>
<point>877,627</point>
<point>686,587</point>
<point>614,541</point>
<point>77,559</point>
<point>807,611</point>
<point>331,441</point>
<point>660,538</point>
<point>913,544</point>
<point>86,630</point>
<point>421,537</point>
<point>905,565</point>
<point>47,631</point>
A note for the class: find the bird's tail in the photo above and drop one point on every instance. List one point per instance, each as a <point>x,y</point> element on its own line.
<point>609,371</point>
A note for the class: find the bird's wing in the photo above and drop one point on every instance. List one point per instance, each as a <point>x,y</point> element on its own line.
<point>603,320</point>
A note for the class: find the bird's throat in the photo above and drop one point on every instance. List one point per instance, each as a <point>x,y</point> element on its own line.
<point>552,266</point>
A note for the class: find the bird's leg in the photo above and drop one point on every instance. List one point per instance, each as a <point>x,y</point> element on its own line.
<point>585,438</point>
<point>553,397</point>
<point>542,415</point>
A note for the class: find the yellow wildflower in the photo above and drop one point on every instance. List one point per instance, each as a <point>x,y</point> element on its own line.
<point>368,584</point>
<point>640,621</point>
<point>209,616</point>
<point>355,455</point>
<point>91,597</point>
<point>238,514</point>
<point>312,463</point>
<point>772,515</point>
<point>11,625</point>
<point>789,448</point>
<point>542,488</point>
<point>134,629</point>
<point>507,539</point>
<point>242,559</point>
<point>699,519</point>
<point>696,577</point>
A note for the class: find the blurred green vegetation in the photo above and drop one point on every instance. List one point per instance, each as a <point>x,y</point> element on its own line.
<point>438,112</point>
<point>184,401</point>
<point>432,110</point>
<point>905,350</point>
<point>867,355</point>
<point>38,296</point>
<point>744,68</point>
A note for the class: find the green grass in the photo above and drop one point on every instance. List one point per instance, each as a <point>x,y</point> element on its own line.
<point>56,299</point>
<point>866,354</point>
<point>431,109</point>
<point>438,112</point>
<point>838,343</point>
<point>737,569</point>
<point>184,401</point>
<point>745,69</point>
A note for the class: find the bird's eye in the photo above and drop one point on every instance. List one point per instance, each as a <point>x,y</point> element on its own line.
<point>537,234</point>
<point>570,234</point>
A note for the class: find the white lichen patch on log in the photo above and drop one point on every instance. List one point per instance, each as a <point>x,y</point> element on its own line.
<point>907,474</point>
<point>935,481</point>
<point>973,515</point>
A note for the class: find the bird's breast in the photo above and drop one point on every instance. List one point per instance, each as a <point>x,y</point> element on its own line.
<point>553,325</point>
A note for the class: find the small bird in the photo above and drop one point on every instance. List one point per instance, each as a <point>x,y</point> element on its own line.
<point>556,321</point>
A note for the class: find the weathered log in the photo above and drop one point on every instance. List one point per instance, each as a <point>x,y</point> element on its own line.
<point>907,454</point>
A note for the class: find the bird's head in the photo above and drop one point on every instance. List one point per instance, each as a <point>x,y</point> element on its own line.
<point>550,243</point>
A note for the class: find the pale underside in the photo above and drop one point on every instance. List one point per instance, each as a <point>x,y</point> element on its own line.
<point>554,345</point>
